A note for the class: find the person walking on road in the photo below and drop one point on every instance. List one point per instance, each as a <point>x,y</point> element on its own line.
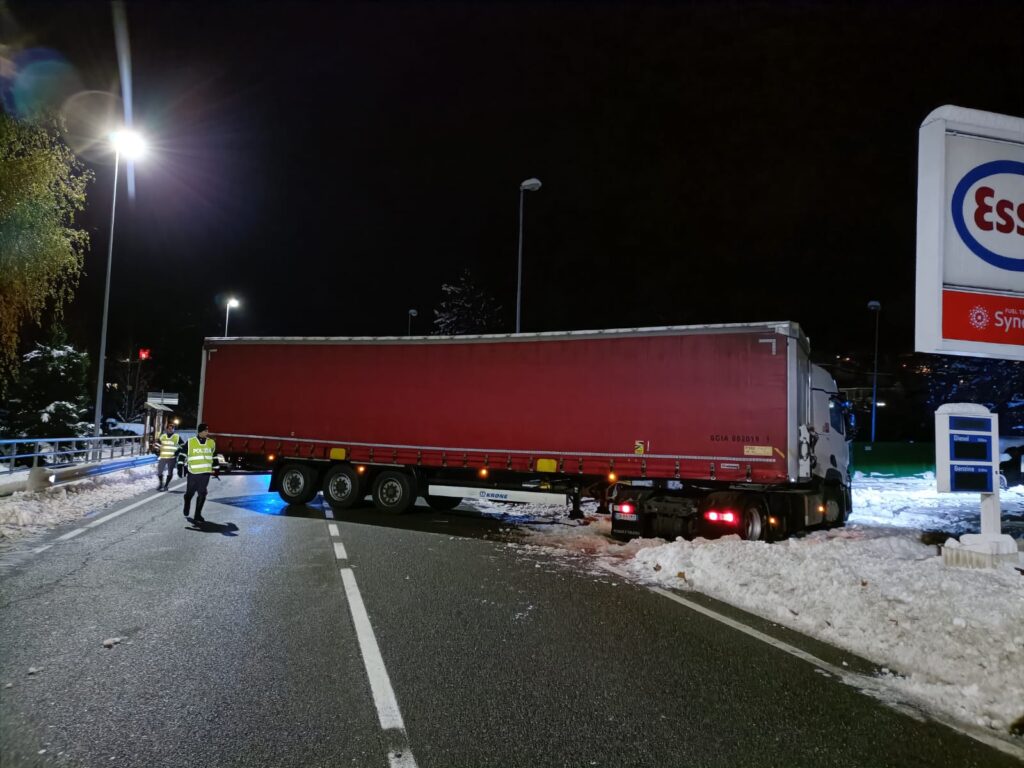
<point>167,446</point>
<point>199,456</point>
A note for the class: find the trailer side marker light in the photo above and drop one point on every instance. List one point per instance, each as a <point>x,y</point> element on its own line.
<point>821,508</point>
<point>483,472</point>
<point>271,457</point>
<point>612,477</point>
<point>772,520</point>
<point>360,470</point>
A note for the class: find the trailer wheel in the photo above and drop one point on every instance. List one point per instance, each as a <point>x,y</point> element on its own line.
<point>754,522</point>
<point>394,492</point>
<point>442,503</point>
<point>342,487</point>
<point>295,484</point>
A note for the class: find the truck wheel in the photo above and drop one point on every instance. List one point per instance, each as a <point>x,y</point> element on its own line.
<point>754,523</point>
<point>295,484</point>
<point>443,503</point>
<point>394,492</point>
<point>835,515</point>
<point>342,487</point>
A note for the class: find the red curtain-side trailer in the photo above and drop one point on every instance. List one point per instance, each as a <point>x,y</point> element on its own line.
<point>587,409</point>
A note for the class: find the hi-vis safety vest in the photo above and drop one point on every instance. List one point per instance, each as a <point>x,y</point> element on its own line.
<point>200,456</point>
<point>168,445</point>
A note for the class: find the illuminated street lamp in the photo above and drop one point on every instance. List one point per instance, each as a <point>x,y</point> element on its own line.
<point>232,303</point>
<point>133,147</point>
<point>530,185</point>
<point>875,307</point>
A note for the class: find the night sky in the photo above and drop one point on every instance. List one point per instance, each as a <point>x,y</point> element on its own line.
<point>333,165</point>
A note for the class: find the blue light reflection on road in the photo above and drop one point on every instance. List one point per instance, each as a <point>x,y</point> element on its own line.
<point>262,503</point>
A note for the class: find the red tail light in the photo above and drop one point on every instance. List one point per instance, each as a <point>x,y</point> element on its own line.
<point>625,511</point>
<point>714,516</point>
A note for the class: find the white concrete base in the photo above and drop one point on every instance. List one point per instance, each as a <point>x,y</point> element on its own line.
<point>40,478</point>
<point>979,550</point>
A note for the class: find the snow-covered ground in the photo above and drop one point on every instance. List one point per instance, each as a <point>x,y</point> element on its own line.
<point>913,502</point>
<point>23,512</point>
<point>951,640</point>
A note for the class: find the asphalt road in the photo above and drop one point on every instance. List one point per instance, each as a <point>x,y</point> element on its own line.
<point>241,646</point>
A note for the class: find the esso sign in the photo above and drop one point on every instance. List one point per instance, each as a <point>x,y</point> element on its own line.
<point>988,213</point>
<point>969,297</point>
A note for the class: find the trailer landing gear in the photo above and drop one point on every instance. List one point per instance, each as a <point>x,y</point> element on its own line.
<point>576,513</point>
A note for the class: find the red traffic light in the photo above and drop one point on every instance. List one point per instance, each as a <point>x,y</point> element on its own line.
<point>144,354</point>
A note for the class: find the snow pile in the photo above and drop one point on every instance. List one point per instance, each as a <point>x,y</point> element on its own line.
<point>955,635</point>
<point>913,502</point>
<point>24,512</point>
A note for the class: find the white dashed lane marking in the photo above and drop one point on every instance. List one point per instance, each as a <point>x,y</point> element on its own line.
<point>388,713</point>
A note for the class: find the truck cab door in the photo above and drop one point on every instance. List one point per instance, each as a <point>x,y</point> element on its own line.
<point>830,449</point>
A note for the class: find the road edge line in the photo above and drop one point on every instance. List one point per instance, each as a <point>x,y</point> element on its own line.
<point>870,685</point>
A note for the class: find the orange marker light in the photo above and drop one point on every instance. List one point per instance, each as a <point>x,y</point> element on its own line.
<point>483,472</point>
<point>612,477</point>
<point>821,508</point>
<point>271,457</point>
<point>360,469</point>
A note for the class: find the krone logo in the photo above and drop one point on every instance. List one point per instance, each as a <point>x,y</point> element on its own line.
<point>978,317</point>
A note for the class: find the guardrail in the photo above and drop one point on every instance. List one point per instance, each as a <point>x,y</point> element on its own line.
<point>26,453</point>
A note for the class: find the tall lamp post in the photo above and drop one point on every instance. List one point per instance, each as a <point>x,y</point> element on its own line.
<point>231,303</point>
<point>412,313</point>
<point>530,185</point>
<point>132,146</point>
<point>875,307</point>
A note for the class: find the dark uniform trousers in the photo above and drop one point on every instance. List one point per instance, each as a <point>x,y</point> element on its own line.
<point>196,486</point>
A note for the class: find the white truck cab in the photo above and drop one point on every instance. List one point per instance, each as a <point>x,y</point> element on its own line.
<point>830,437</point>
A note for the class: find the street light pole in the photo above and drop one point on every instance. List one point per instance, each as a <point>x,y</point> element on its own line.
<point>133,146</point>
<point>412,313</point>
<point>530,185</point>
<point>97,429</point>
<point>875,307</point>
<point>231,303</point>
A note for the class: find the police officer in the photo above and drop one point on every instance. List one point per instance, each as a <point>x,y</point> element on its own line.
<point>199,456</point>
<point>167,446</point>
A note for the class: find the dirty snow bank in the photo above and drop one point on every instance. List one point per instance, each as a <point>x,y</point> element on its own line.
<point>25,512</point>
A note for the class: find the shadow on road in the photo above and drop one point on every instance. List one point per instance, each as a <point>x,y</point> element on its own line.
<point>452,523</point>
<point>208,526</point>
<point>270,504</point>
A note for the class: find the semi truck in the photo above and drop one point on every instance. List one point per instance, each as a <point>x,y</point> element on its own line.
<point>676,431</point>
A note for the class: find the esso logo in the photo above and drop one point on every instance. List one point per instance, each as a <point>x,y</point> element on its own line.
<point>988,213</point>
